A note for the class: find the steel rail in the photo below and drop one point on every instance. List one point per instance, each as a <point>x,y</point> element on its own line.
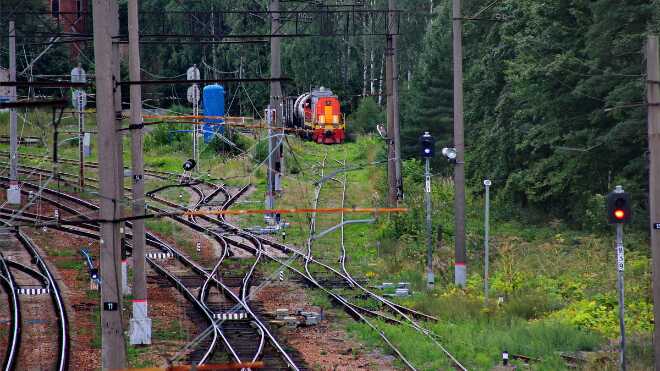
<point>152,240</point>
<point>224,288</point>
<point>283,248</point>
<point>258,240</point>
<point>29,271</point>
<point>203,308</point>
<point>14,339</point>
<point>196,268</point>
<point>225,252</point>
<point>204,288</point>
<point>340,298</point>
<point>200,270</point>
<point>388,303</point>
<point>58,302</point>
<point>164,175</point>
<point>245,287</point>
<point>249,236</point>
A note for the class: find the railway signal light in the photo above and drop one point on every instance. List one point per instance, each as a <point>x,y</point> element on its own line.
<point>125,253</point>
<point>189,164</point>
<point>94,274</point>
<point>450,153</point>
<point>618,207</point>
<point>428,145</point>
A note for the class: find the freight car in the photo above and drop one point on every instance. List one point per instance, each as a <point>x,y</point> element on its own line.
<point>317,115</point>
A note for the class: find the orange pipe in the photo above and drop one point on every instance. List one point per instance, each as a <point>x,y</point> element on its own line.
<point>299,211</point>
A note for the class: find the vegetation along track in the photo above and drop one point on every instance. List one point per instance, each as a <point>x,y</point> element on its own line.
<point>408,320</point>
<point>351,308</point>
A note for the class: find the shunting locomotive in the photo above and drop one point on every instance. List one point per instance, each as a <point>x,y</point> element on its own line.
<point>318,114</point>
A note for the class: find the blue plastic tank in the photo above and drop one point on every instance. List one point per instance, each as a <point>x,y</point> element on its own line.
<point>213,101</point>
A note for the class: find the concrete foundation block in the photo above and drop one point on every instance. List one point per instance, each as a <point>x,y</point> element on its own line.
<point>281,313</point>
<point>291,322</point>
<point>139,327</point>
<point>312,318</point>
<point>14,195</point>
<point>139,331</point>
<point>401,292</point>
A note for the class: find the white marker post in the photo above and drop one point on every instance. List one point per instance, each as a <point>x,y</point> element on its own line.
<point>79,99</point>
<point>193,97</point>
<point>14,191</point>
<point>487,184</point>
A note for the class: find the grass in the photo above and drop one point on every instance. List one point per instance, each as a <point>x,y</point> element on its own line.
<point>96,320</point>
<point>70,264</point>
<point>541,340</point>
<point>136,356</point>
<point>93,294</point>
<point>170,330</point>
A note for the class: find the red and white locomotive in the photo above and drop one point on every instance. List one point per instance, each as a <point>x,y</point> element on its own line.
<point>318,114</point>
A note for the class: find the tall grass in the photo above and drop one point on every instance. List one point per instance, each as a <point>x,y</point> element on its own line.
<point>478,343</point>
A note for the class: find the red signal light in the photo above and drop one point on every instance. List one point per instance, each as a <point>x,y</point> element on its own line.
<point>619,214</point>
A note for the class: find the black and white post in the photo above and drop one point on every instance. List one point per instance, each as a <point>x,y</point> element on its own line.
<point>13,192</point>
<point>193,96</point>
<point>620,262</point>
<point>487,184</point>
<point>427,144</point>
<point>79,99</point>
<point>619,213</point>
<point>270,181</point>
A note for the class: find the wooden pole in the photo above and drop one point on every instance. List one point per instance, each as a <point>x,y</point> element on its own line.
<point>113,353</point>
<point>653,100</point>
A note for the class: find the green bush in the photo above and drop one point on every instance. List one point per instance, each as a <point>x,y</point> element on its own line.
<point>261,151</point>
<point>217,145</point>
<point>168,135</point>
<point>531,305</point>
<point>365,117</point>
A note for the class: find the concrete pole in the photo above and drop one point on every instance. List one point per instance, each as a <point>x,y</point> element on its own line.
<point>275,162</point>
<point>460,269</point>
<point>393,28</point>
<point>390,103</point>
<point>270,199</point>
<point>430,278</point>
<point>653,100</point>
<point>113,353</point>
<point>195,129</point>
<point>81,136</point>
<point>119,160</point>
<point>13,193</point>
<point>140,324</point>
<point>487,184</point>
<point>214,58</point>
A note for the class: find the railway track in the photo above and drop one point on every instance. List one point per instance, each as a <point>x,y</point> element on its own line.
<point>210,228</point>
<point>256,325</point>
<point>29,141</point>
<point>20,280</point>
<point>159,174</point>
<point>242,298</point>
<point>14,335</point>
<point>355,311</point>
<point>407,319</point>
